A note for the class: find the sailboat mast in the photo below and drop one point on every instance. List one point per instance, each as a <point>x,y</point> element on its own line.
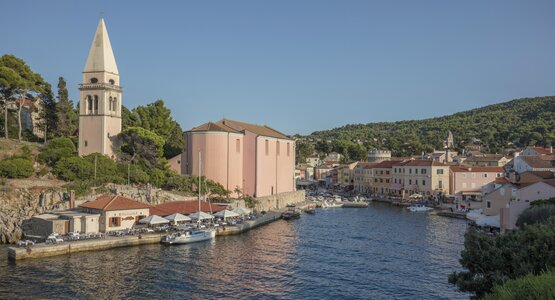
<point>199,183</point>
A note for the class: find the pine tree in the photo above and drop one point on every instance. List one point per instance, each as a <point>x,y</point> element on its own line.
<point>67,119</point>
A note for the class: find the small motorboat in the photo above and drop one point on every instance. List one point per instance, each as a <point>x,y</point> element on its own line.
<point>291,214</point>
<point>334,205</point>
<point>189,237</point>
<point>310,211</point>
<point>419,208</point>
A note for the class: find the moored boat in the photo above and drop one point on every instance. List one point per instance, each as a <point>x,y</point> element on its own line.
<point>419,208</point>
<point>189,237</point>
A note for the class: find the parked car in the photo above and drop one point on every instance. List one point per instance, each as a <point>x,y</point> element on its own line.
<point>54,239</point>
<point>73,236</point>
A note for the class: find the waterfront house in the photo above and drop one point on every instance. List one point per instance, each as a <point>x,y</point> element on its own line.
<point>425,177</point>
<point>257,159</point>
<point>361,182</point>
<point>468,183</point>
<point>525,163</point>
<point>381,177</point>
<point>536,151</point>
<point>345,175</point>
<point>313,160</point>
<point>116,212</point>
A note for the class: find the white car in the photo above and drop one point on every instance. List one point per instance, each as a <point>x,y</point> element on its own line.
<point>73,235</point>
<point>54,239</point>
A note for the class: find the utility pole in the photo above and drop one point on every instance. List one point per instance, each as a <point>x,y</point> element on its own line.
<point>95,159</point>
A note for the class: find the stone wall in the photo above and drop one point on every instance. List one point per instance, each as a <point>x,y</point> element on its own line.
<point>273,202</point>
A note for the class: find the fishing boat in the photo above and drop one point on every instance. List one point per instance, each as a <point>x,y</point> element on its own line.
<point>333,205</point>
<point>192,236</point>
<point>291,214</point>
<point>419,208</point>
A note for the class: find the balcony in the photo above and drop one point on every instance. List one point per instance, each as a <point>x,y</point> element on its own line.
<point>98,86</point>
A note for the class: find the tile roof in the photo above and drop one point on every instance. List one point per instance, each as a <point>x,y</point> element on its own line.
<point>539,162</point>
<point>214,127</point>
<point>183,207</point>
<point>485,157</point>
<point>262,130</point>
<point>109,203</point>
<point>387,164</point>
<point>542,150</point>
<point>477,169</point>
<point>420,163</point>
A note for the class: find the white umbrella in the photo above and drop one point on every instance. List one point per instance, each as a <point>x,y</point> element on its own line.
<point>177,217</point>
<point>226,214</point>
<point>153,220</point>
<point>242,211</point>
<point>203,216</point>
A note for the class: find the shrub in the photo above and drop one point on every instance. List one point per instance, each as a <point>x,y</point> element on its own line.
<point>57,149</point>
<point>16,167</point>
<point>529,287</point>
<point>106,169</point>
<point>74,168</point>
<point>536,214</point>
<point>81,187</point>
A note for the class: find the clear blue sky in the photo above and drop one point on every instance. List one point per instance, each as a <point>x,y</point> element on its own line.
<point>299,65</point>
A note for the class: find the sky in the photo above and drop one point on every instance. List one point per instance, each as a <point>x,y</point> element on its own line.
<point>297,65</point>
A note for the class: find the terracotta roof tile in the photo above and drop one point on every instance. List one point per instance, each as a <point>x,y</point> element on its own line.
<point>539,162</point>
<point>214,127</point>
<point>110,203</point>
<point>477,169</point>
<point>262,130</point>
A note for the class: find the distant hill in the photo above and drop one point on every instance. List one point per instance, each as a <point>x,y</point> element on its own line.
<point>519,122</point>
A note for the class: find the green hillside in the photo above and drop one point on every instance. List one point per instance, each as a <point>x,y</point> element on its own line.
<point>520,122</point>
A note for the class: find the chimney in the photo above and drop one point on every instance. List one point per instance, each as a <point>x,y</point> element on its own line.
<point>71,199</point>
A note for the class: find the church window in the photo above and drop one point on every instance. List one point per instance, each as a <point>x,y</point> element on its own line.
<point>94,80</point>
<point>89,104</point>
<point>114,104</point>
<point>110,105</point>
<point>111,81</point>
<point>267,147</point>
<point>95,104</point>
<point>277,148</point>
<point>86,143</point>
<point>288,149</point>
<point>237,145</point>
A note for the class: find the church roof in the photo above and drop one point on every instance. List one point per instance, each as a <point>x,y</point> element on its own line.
<point>214,127</point>
<point>262,130</point>
<point>101,57</point>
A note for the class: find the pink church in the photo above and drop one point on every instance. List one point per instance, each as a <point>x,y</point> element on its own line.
<point>257,159</point>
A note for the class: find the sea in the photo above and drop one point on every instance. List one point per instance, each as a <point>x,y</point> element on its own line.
<point>379,252</point>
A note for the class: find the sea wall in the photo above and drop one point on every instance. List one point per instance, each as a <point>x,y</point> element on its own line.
<point>279,201</point>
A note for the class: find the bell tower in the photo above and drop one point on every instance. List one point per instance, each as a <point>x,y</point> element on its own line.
<point>99,98</point>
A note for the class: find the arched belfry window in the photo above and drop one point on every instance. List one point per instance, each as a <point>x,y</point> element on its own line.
<point>89,104</point>
<point>95,104</point>
<point>111,81</point>
<point>94,80</point>
<point>115,104</point>
<point>111,104</point>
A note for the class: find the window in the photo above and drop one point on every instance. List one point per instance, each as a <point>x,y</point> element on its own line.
<point>485,175</point>
<point>439,171</point>
<point>110,104</point>
<point>387,181</point>
<point>488,204</point>
<point>375,179</point>
<point>464,175</point>
<point>237,145</point>
<point>423,171</point>
<point>138,218</point>
<point>89,104</point>
<point>277,148</point>
<point>114,222</point>
<point>111,81</point>
<point>410,181</point>
<point>381,180</point>
<point>95,104</point>
<point>410,171</point>
<point>415,171</point>
<point>94,80</point>
<point>440,184</point>
<point>464,185</point>
<point>416,181</point>
<point>423,182</point>
<point>288,149</point>
<point>267,147</point>
<point>114,104</point>
<point>86,143</point>
<point>473,185</point>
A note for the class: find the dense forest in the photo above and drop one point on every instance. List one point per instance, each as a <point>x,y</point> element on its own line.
<point>517,123</point>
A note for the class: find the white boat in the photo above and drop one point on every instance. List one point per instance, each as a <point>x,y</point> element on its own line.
<point>193,236</point>
<point>419,208</point>
<point>333,204</point>
<point>189,237</point>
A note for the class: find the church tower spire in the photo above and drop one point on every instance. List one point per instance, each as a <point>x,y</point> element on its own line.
<point>100,98</point>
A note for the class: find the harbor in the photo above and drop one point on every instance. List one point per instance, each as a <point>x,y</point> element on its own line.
<point>405,254</point>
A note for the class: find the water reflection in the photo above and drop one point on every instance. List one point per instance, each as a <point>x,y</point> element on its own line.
<point>379,252</point>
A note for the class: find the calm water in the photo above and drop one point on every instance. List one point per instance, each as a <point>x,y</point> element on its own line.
<point>381,252</point>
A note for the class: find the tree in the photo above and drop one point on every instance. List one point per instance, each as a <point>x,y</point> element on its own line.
<point>303,150</point>
<point>156,117</point>
<point>10,82</point>
<point>67,118</point>
<point>142,146</point>
<point>27,86</point>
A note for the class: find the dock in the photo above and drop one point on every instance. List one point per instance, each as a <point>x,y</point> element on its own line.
<point>455,214</point>
<point>47,250</point>
<point>347,204</point>
<point>269,217</point>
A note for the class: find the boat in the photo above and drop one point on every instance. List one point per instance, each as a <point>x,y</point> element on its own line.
<point>291,214</point>
<point>310,211</point>
<point>191,236</point>
<point>419,208</point>
<point>333,204</point>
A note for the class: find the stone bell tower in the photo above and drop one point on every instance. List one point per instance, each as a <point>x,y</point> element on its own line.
<point>99,98</point>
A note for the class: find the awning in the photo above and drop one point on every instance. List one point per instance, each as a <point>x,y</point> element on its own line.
<point>242,211</point>
<point>153,220</point>
<point>201,216</point>
<point>226,214</point>
<point>177,217</point>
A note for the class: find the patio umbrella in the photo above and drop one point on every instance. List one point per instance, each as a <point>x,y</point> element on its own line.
<point>203,216</point>
<point>177,217</point>
<point>226,214</point>
<point>242,211</point>
<point>153,220</point>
